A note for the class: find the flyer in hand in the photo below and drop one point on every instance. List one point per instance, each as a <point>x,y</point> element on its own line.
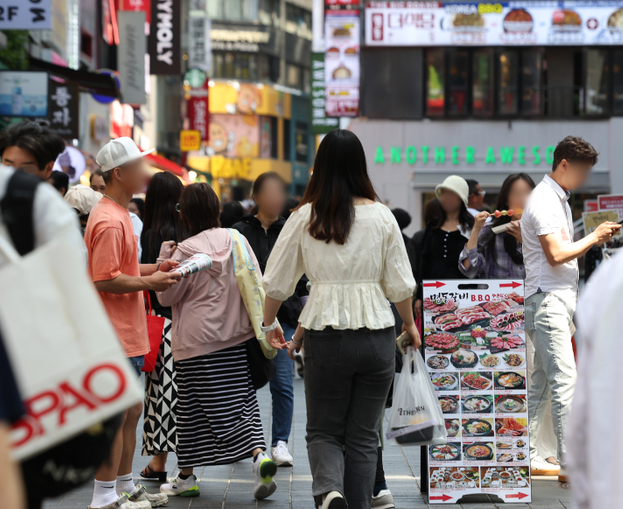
<point>196,263</point>
<point>475,353</point>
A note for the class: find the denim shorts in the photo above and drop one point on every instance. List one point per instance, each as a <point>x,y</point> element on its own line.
<point>138,363</point>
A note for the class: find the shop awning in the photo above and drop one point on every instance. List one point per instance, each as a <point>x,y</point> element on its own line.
<point>100,83</point>
<point>165,164</point>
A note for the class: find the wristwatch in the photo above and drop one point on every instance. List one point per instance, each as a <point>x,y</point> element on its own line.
<point>270,327</point>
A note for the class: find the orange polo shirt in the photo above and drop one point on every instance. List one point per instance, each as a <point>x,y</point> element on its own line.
<point>113,250</point>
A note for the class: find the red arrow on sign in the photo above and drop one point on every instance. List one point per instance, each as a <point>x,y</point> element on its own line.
<point>443,498</point>
<point>519,495</point>
<point>437,284</point>
<point>506,285</point>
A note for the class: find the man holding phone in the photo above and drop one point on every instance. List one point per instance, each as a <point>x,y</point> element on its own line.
<point>551,287</point>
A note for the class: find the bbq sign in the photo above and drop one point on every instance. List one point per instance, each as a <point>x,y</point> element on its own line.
<point>475,352</point>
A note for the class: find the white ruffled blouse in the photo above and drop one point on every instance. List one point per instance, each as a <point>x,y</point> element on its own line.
<point>350,283</point>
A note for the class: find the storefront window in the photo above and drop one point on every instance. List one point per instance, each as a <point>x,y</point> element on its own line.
<point>241,66</point>
<point>532,86</point>
<point>302,148</point>
<point>507,94</point>
<point>214,9</point>
<point>294,76</point>
<point>597,71</point>
<point>458,82</point>
<point>269,12</point>
<point>298,21</point>
<point>233,9</point>
<point>617,81</point>
<point>482,79</point>
<point>435,82</point>
<point>287,145</point>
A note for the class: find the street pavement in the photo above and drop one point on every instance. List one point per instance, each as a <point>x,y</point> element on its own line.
<point>231,486</point>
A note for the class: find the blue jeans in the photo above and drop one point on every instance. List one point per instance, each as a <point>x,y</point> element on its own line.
<point>137,364</point>
<point>282,390</point>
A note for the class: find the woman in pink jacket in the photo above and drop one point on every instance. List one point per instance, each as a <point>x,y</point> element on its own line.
<point>218,417</point>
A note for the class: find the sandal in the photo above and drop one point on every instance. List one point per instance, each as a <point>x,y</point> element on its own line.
<point>152,475</point>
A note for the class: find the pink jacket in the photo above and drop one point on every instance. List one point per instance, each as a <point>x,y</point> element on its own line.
<point>208,311</point>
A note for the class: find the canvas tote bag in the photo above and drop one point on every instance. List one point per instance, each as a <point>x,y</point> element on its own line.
<point>68,362</point>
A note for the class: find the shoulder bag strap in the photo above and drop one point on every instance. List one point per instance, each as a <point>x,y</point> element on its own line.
<point>17,210</point>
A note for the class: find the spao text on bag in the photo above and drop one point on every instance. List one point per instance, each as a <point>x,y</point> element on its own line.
<point>49,409</point>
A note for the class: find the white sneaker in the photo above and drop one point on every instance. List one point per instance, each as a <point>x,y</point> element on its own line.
<point>123,503</point>
<point>154,499</point>
<point>539,466</point>
<point>334,500</point>
<point>383,500</point>
<point>264,469</point>
<point>281,456</point>
<point>181,487</point>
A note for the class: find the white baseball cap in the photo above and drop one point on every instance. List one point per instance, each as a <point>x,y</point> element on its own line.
<point>119,151</point>
<point>82,198</point>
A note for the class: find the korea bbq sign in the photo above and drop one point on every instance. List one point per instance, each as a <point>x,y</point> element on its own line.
<point>519,23</point>
<point>164,37</point>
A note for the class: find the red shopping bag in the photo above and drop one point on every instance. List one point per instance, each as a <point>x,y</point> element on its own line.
<point>155,327</point>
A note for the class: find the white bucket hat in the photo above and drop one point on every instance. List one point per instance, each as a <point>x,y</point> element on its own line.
<point>457,185</point>
<point>119,151</point>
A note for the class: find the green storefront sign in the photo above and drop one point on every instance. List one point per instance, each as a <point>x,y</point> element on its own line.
<point>456,155</point>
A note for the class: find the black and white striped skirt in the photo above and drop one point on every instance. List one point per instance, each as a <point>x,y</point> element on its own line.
<point>218,417</point>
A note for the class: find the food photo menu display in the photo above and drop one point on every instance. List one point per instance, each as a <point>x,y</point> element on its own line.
<point>475,353</point>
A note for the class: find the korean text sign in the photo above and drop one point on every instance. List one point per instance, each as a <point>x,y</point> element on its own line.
<point>475,351</point>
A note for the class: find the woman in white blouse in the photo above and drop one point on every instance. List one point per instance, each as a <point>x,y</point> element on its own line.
<point>352,251</point>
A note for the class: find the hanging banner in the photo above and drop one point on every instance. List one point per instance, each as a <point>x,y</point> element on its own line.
<point>139,6</point>
<point>198,113</point>
<point>199,27</point>
<point>25,14</point>
<point>320,123</point>
<point>611,202</point>
<point>342,64</point>
<point>164,37</point>
<point>475,352</point>
<point>63,109</point>
<point>494,24</point>
<point>23,94</point>
<point>131,56</point>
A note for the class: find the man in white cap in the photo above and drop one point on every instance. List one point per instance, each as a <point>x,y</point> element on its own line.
<point>113,265</point>
<point>82,199</point>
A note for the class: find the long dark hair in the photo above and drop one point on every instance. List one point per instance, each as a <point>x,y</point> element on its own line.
<point>340,175</point>
<point>510,242</point>
<point>466,220</point>
<point>160,216</point>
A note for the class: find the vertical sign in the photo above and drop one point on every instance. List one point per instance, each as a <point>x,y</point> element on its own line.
<point>342,63</point>
<point>475,352</point>
<point>131,56</point>
<point>199,114</point>
<point>63,109</point>
<point>320,123</point>
<point>138,6</point>
<point>199,47</point>
<point>164,37</point>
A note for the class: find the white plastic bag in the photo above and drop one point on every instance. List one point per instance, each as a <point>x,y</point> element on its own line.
<point>416,417</point>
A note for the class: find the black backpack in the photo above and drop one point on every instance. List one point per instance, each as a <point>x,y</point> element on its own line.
<point>72,463</point>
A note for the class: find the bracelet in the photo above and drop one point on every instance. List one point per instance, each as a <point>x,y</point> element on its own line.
<point>270,327</point>
<point>297,342</point>
<point>158,266</point>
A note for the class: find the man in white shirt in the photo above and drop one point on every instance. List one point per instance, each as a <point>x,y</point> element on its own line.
<point>551,288</point>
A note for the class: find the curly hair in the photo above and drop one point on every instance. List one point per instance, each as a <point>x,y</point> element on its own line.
<point>574,149</point>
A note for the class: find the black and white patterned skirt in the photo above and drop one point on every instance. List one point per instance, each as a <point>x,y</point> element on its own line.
<point>159,419</point>
<point>218,417</point>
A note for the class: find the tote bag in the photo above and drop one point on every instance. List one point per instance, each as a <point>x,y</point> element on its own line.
<point>69,365</point>
<point>251,289</point>
<point>155,326</point>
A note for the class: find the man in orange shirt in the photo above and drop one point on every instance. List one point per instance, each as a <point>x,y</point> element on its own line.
<point>113,264</point>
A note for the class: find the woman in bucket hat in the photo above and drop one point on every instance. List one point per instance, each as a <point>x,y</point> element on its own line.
<point>445,238</point>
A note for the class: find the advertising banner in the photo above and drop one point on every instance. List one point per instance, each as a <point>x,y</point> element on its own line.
<point>611,202</point>
<point>25,14</point>
<point>518,23</point>
<point>320,123</point>
<point>593,219</point>
<point>475,352</point>
<point>198,113</point>
<point>165,37</point>
<point>234,135</point>
<point>199,48</point>
<point>137,5</point>
<point>342,64</point>
<point>63,109</point>
<point>131,56</point>
<point>190,140</point>
<point>23,94</point>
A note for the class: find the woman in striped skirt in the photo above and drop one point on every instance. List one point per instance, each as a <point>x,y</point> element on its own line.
<point>218,417</point>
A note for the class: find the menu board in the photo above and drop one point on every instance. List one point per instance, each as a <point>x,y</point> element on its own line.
<point>519,23</point>
<point>342,63</point>
<point>475,353</point>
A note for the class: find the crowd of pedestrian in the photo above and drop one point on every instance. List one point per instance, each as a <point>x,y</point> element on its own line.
<point>329,281</point>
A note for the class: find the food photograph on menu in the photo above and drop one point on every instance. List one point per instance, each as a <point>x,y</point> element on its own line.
<point>475,352</point>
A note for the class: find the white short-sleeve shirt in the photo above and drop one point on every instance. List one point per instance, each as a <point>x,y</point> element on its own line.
<point>547,212</point>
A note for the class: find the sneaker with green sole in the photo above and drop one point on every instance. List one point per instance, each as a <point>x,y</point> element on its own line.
<point>181,487</point>
<point>264,469</point>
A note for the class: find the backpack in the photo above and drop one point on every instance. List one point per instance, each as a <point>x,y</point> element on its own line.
<point>71,463</point>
